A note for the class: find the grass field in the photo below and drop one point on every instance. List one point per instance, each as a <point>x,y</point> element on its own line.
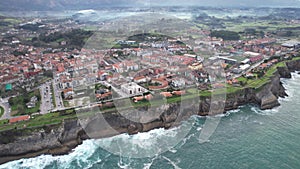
<point>18,104</point>
<point>12,20</point>
<point>57,118</point>
<point>296,58</point>
<point>260,25</point>
<point>53,96</point>
<point>66,103</point>
<point>35,121</point>
<point>1,111</point>
<point>259,82</point>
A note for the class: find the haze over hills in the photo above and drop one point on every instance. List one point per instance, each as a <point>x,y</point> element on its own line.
<point>37,5</point>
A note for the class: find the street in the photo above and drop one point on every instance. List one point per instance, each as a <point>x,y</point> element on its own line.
<point>57,94</point>
<point>46,98</point>
<point>249,69</point>
<point>4,103</point>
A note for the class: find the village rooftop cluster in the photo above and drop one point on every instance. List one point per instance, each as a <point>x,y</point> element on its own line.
<point>166,67</point>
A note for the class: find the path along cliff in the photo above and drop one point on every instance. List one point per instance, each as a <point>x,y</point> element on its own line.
<point>62,138</point>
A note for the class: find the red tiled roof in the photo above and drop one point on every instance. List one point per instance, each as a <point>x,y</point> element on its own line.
<point>163,83</point>
<point>182,92</point>
<point>100,73</point>
<point>60,69</point>
<point>67,90</point>
<point>103,95</point>
<point>136,99</point>
<point>256,58</point>
<point>148,97</point>
<point>20,118</point>
<point>29,74</point>
<point>139,78</point>
<point>166,94</point>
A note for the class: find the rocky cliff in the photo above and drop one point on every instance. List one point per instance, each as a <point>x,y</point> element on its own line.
<point>61,138</point>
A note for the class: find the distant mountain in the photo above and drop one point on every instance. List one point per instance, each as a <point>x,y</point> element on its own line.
<point>41,5</point>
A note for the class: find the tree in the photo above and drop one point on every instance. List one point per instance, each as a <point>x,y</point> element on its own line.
<point>250,31</point>
<point>21,109</point>
<point>48,73</point>
<point>11,101</point>
<point>226,35</point>
<point>26,99</point>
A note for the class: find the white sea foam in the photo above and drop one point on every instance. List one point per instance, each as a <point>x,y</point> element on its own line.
<point>257,110</point>
<point>141,142</point>
<point>291,87</point>
<point>123,164</point>
<point>145,141</point>
<point>172,163</point>
<point>173,150</point>
<point>228,113</point>
<point>148,165</point>
<point>147,144</point>
<point>184,141</point>
<point>257,122</point>
<point>199,128</point>
<point>80,154</point>
<point>92,164</point>
<point>88,11</point>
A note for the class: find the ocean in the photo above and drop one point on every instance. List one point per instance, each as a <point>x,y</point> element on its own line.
<point>245,138</point>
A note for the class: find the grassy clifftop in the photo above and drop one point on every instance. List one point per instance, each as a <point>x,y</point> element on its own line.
<point>58,117</point>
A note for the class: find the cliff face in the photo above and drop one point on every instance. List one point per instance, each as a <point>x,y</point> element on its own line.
<point>61,138</point>
<point>54,139</point>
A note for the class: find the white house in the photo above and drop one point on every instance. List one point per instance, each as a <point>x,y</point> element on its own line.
<point>132,88</point>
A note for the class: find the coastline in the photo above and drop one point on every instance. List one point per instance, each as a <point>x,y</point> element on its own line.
<point>61,139</point>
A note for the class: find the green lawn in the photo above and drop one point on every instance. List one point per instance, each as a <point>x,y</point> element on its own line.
<point>57,117</point>
<point>35,121</point>
<point>257,83</point>
<point>53,96</point>
<point>296,58</point>
<point>66,103</point>
<point>259,25</point>
<point>12,20</point>
<point>2,122</point>
<point>18,103</point>
<point>242,79</point>
<point>1,111</point>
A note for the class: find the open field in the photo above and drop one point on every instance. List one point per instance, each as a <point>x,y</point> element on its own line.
<point>1,111</point>
<point>18,103</point>
<point>58,117</point>
<point>260,25</point>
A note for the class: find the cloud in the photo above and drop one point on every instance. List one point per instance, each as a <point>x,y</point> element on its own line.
<point>252,3</point>
<point>80,4</point>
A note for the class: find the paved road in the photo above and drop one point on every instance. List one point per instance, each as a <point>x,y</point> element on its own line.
<point>46,98</point>
<point>249,69</point>
<point>4,103</point>
<point>57,96</point>
<point>122,94</point>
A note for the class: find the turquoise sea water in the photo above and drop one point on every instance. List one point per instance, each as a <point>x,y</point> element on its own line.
<point>245,138</point>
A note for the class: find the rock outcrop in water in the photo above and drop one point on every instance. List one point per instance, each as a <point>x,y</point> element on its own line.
<point>62,138</point>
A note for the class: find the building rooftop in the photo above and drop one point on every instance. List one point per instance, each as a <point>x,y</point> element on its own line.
<point>8,87</point>
<point>20,118</point>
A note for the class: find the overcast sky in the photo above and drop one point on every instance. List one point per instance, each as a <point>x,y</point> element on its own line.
<point>246,3</point>
<point>252,3</point>
<point>84,4</point>
<point>217,3</point>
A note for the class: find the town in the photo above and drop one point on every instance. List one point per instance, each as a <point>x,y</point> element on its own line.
<point>60,74</point>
